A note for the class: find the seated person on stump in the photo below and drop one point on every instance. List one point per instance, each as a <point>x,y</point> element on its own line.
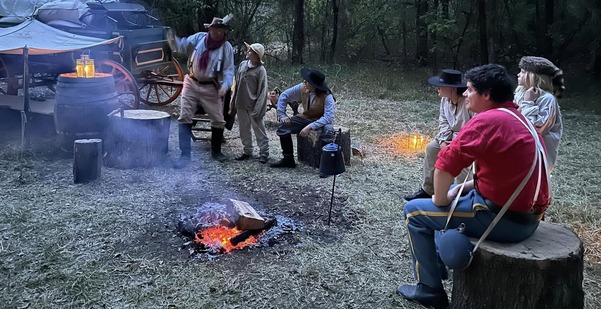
<point>453,115</point>
<point>502,148</point>
<point>318,113</point>
<point>211,58</point>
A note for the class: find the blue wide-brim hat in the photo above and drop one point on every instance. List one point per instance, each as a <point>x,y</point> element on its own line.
<point>448,78</point>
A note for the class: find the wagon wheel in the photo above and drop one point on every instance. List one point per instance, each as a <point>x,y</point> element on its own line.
<point>127,88</point>
<point>162,85</point>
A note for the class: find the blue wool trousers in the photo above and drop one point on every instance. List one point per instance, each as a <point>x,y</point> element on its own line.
<point>423,218</point>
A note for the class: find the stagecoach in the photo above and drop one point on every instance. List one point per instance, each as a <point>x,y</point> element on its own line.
<point>141,62</point>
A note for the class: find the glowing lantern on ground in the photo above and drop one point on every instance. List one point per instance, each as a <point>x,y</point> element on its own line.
<point>416,141</point>
<point>85,66</point>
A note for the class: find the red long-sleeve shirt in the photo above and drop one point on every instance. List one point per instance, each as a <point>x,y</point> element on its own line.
<point>503,150</point>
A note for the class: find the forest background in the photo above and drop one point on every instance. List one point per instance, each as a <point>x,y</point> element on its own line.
<point>427,33</point>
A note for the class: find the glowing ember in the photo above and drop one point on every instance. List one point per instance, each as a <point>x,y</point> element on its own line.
<point>404,143</point>
<point>218,238</point>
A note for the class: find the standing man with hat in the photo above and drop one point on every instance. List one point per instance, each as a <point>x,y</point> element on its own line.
<point>453,115</point>
<point>211,72</point>
<point>250,100</point>
<point>318,113</point>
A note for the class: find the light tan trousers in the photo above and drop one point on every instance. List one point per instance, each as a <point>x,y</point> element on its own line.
<point>245,122</point>
<point>432,150</point>
<point>205,95</point>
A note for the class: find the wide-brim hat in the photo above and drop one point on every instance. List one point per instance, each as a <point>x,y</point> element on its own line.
<point>221,22</point>
<point>258,48</point>
<point>315,78</point>
<point>448,78</point>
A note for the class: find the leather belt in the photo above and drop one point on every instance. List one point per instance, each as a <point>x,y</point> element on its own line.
<point>515,216</point>
<point>208,82</point>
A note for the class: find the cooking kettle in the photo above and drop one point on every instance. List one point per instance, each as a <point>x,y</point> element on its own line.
<point>332,160</point>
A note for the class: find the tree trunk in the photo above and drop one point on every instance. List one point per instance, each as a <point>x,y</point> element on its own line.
<point>421,29</point>
<point>549,19</point>
<point>544,271</point>
<point>383,38</point>
<point>298,34</point>
<point>492,34</point>
<point>335,14</point>
<point>434,39</point>
<point>445,9</point>
<point>482,33</point>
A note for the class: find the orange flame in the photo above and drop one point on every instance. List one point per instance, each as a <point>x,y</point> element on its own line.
<point>218,238</point>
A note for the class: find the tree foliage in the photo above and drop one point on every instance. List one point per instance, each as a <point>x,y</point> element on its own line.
<point>436,33</point>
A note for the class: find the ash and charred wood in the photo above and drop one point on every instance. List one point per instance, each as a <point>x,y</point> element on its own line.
<point>187,228</point>
<point>269,223</point>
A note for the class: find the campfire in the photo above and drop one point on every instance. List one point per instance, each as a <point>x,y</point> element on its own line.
<point>221,228</point>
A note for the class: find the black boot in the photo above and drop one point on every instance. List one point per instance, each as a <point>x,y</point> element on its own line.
<point>287,151</point>
<point>216,140</point>
<point>185,145</point>
<point>426,296</point>
<point>418,194</point>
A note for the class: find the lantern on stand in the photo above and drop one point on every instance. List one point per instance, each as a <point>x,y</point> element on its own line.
<point>332,163</point>
<point>84,66</point>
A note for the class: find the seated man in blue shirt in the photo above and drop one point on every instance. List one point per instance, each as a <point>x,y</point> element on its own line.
<point>318,113</point>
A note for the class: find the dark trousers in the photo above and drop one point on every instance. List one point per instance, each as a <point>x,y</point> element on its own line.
<point>296,124</point>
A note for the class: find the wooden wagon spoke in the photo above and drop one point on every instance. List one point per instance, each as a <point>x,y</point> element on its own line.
<point>160,87</point>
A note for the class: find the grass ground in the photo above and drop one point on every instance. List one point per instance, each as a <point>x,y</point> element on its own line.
<point>112,243</point>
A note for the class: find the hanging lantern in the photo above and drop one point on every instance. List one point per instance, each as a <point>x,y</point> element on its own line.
<point>85,66</point>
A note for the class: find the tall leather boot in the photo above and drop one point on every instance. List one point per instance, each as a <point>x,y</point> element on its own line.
<point>287,151</point>
<point>185,144</point>
<point>216,140</point>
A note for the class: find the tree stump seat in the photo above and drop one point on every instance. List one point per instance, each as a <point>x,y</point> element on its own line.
<point>308,148</point>
<point>543,271</point>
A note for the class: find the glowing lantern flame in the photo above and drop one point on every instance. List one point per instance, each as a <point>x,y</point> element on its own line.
<point>218,238</point>
<point>84,66</point>
<point>403,143</point>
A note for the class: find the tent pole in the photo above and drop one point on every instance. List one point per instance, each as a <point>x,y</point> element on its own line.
<point>26,108</point>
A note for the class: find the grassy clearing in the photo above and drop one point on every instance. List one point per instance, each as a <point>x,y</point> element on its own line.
<point>112,243</point>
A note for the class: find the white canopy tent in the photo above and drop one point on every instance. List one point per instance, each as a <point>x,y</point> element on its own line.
<point>36,38</point>
<point>42,39</point>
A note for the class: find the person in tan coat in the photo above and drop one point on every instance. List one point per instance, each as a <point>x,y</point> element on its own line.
<point>250,100</point>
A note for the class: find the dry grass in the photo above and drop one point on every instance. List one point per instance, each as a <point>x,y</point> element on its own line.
<point>112,243</point>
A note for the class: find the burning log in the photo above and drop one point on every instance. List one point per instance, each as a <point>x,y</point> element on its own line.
<point>269,223</point>
<point>248,218</point>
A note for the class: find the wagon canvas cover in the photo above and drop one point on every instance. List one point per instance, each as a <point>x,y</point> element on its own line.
<point>42,39</point>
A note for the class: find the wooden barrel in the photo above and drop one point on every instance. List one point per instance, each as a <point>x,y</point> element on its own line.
<point>82,106</point>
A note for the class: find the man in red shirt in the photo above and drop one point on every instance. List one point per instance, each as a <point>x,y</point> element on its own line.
<point>503,150</point>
